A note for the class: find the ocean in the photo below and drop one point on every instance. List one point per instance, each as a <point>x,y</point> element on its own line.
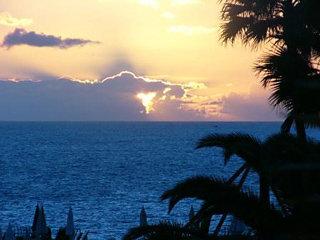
<point>107,171</point>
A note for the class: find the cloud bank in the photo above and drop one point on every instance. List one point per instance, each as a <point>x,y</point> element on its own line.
<point>124,97</point>
<point>111,99</point>
<point>252,106</point>
<point>247,107</point>
<point>22,37</point>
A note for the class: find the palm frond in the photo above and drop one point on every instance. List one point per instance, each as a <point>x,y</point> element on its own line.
<point>287,124</point>
<point>252,21</point>
<point>245,146</point>
<point>226,199</point>
<point>292,80</point>
<point>165,230</point>
<point>199,187</point>
<point>175,231</point>
<point>312,120</point>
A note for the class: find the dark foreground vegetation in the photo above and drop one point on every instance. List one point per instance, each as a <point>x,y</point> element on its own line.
<point>288,165</point>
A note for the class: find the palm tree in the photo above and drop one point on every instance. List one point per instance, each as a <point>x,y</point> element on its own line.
<point>291,170</point>
<point>275,152</point>
<point>290,25</point>
<point>268,222</point>
<point>262,156</point>
<point>224,198</point>
<point>251,150</point>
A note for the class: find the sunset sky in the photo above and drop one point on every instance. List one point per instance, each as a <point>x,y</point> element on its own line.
<point>123,60</point>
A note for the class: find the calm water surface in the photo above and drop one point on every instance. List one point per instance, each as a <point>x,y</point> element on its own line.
<point>105,171</point>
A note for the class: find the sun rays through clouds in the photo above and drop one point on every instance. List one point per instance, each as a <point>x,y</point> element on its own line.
<point>163,60</point>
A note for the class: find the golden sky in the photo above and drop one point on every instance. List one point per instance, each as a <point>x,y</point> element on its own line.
<point>176,41</point>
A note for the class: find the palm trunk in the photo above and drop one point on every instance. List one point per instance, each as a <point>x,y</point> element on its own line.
<point>264,191</point>
<point>265,199</point>
<point>205,225</point>
<point>301,130</point>
<point>292,49</point>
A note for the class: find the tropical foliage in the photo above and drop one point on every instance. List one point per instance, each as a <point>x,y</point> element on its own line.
<point>292,31</point>
<point>287,167</point>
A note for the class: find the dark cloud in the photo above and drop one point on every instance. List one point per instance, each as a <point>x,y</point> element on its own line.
<point>22,37</point>
<point>111,99</point>
<point>115,99</point>
<point>248,107</point>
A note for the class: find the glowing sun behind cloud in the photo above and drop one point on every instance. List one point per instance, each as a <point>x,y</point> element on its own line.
<point>146,100</point>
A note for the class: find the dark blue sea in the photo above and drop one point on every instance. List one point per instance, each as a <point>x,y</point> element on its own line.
<point>106,171</point>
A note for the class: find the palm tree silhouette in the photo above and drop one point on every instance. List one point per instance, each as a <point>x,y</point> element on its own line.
<point>290,169</point>
<point>291,27</point>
